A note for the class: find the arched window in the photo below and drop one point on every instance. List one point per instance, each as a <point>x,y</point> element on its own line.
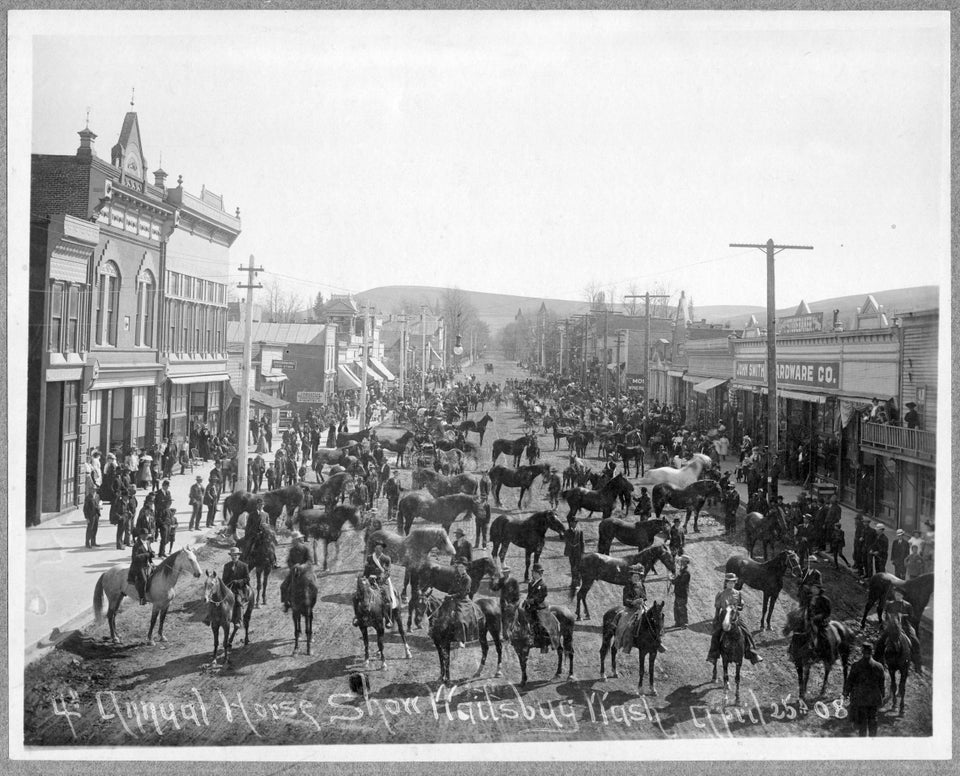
<point>146,299</point>
<point>108,303</point>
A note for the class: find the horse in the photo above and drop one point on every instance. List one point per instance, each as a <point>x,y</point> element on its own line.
<point>521,477</point>
<point>765,577</point>
<point>327,526</point>
<point>760,528</point>
<point>333,489</point>
<point>439,485</point>
<point>344,440</point>
<point>516,626</point>
<point>261,559</point>
<point>916,591</point>
<point>527,532</point>
<point>645,637</point>
<point>276,502</point>
<point>477,426</point>
<point>692,498</point>
<point>595,566</point>
<point>473,619</point>
<point>629,453</point>
<point>398,446</point>
<point>804,650</point>
<point>369,607</point>
<point>434,576</point>
<point>681,478</point>
<point>444,510</point>
<point>514,447</point>
<point>897,652</point>
<point>601,500</point>
<point>219,600</point>
<point>639,534</point>
<point>533,451</point>
<point>303,597</point>
<point>160,590</point>
<point>732,648</point>
<point>413,550</point>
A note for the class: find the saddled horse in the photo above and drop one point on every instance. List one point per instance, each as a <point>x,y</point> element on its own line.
<point>370,610</point>
<point>897,652</point>
<point>646,639</point>
<point>766,530</point>
<point>765,577</point>
<point>916,591</point>
<point>160,590</point>
<point>595,566</point>
<point>530,533</point>
<point>326,527</point>
<point>476,426</point>
<point>732,649</point>
<point>523,634</point>
<point>413,550</point>
<point>398,446</point>
<point>680,478</point>
<point>219,600</point>
<point>472,620</point>
<point>639,533</point>
<point>261,558</point>
<point>629,453</point>
<point>434,575</point>
<point>440,485</point>
<point>514,447</point>
<point>521,477</point>
<point>303,597</point>
<point>692,499</point>
<point>805,649</point>
<point>601,500</point>
<point>444,510</point>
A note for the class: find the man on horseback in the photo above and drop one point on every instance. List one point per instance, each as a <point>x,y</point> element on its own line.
<point>538,613</point>
<point>376,568</point>
<point>818,611</point>
<point>236,577</point>
<point>730,597</point>
<point>902,610</point>
<point>139,572</point>
<point>298,553</point>
<point>253,532</point>
<point>635,604</point>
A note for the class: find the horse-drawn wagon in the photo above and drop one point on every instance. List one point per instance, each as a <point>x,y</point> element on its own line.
<point>426,455</point>
<point>488,369</point>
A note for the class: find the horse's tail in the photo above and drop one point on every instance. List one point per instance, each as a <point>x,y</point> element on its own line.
<point>98,600</point>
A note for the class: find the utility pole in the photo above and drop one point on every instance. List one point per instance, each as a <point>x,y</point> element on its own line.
<point>244,430</point>
<point>403,349</point>
<point>583,343</point>
<point>773,428</point>
<point>561,328</point>
<point>363,369</point>
<point>621,334</point>
<point>423,362</point>
<point>646,355</point>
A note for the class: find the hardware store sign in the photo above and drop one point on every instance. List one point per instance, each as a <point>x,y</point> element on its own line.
<point>808,374</point>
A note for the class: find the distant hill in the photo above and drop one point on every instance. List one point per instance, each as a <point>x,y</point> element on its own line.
<point>498,310</point>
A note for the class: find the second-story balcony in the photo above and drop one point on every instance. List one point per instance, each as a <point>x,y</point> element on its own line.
<point>900,441</point>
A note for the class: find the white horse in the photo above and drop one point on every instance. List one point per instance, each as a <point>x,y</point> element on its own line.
<point>159,590</point>
<point>678,478</point>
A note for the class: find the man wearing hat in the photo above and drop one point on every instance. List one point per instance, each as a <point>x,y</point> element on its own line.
<point>899,551</point>
<point>681,589</point>
<point>634,605</point>
<point>901,609</point>
<point>554,486</point>
<point>678,537</point>
<point>644,506</point>
<point>912,418</point>
<point>881,550</point>
<point>866,548</point>
<point>729,596</point>
<point>211,496</point>
<point>236,576</point>
<point>808,579</point>
<point>196,503</point>
<point>141,556</point>
<point>463,547</point>
<point>865,689</point>
<point>574,548</point>
<point>537,610</point>
<point>837,542</point>
<point>376,568</point>
<point>858,544</point>
<point>298,553</point>
<point>818,611</point>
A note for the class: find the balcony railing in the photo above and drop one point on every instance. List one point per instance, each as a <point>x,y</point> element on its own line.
<point>899,439</point>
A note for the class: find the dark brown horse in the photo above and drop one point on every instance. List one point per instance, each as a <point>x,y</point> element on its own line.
<point>433,575</point>
<point>765,577</point>
<point>629,453</point>
<point>896,657</point>
<point>514,447</point>
<point>691,499</point>
<point>521,477</point>
<point>444,510</point>
<point>370,613</point>
<point>275,503</point>
<point>646,640</point>
<point>471,620</point>
<point>303,597</point>
<point>476,426</point>
<point>805,650</point>
<point>261,558</point>
<point>523,636</point>
<point>440,485</point>
<point>732,650</point>
<point>530,533</point>
<point>766,530</point>
<point>353,438</point>
<point>639,533</point>
<point>332,490</point>
<point>398,446</point>
<point>326,527</point>
<point>594,566</point>
<point>917,592</point>
<point>602,500</point>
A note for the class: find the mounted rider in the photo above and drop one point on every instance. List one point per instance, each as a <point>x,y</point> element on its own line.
<point>376,569</point>
<point>298,553</point>
<point>729,596</point>
<point>544,624</point>
<point>236,578</point>
<point>817,612</point>
<point>253,533</point>
<point>900,609</point>
<point>140,566</point>
<point>635,604</point>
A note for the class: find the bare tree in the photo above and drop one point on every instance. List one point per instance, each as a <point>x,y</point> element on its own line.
<point>280,305</point>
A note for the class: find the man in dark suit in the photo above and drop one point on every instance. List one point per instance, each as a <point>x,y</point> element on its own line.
<point>573,549</point>
<point>196,503</point>
<point>236,576</point>
<point>898,554</point>
<point>864,687</point>
<point>535,605</point>
<point>91,513</point>
<point>881,550</point>
<point>462,546</point>
<point>297,554</point>
<point>139,572</point>
<point>866,548</point>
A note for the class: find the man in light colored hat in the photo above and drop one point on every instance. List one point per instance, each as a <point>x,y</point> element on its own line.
<point>298,553</point>
<point>899,551</point>
<point>730,597</point>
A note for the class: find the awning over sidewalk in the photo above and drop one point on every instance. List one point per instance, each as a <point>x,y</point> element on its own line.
<point>266,400</point>
<point>199,377</point>
<point>786,393</point>
<point>378,366</point>
<point>709,385</point>
<point>347,380</point>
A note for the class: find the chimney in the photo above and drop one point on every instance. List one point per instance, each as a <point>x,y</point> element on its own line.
<point>160,178</point>
<point>86,149</point>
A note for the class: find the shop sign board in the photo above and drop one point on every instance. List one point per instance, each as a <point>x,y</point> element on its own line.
<point>800,324</point>
<point>309,397</point>
<point>802,373</point>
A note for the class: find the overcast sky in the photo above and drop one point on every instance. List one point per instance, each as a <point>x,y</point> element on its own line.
<point>532,153</point>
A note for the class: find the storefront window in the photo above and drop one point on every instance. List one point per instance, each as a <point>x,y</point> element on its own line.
<point>927,487</point>
<point>138,416</point>
<point>56,317</point>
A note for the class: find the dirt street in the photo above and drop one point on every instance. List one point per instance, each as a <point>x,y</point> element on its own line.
<point>91,692</point>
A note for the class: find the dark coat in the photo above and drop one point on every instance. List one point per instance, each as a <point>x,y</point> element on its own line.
<point>681,585</point>
<point>899,550</point>
<point>536,594</point>
<point>634,593</point>
<point>299,553</point>
<point>236,573</point>
<point>865,683</point>
<point>464,549</point>
<point>881,546</point>
<point>573,543</point>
